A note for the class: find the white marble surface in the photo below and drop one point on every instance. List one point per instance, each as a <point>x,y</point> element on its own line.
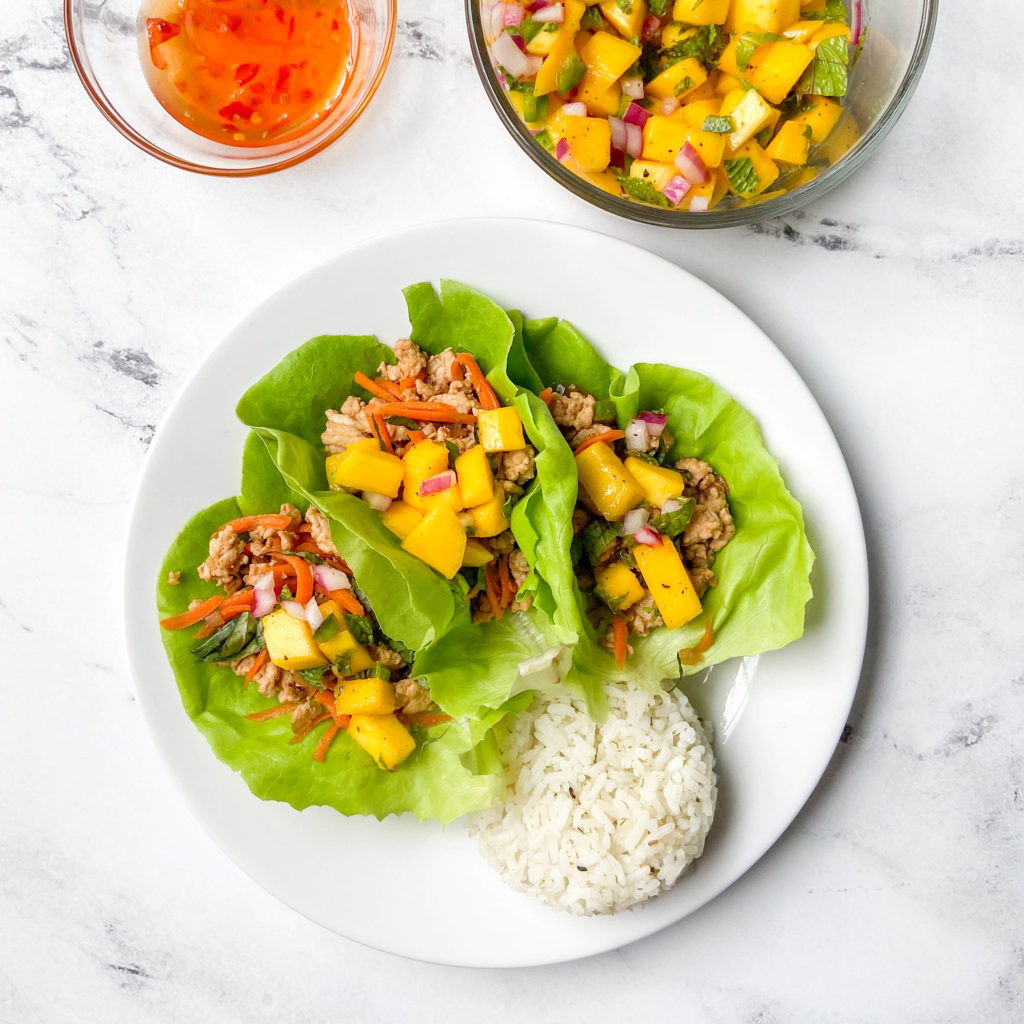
<point>897,895</point>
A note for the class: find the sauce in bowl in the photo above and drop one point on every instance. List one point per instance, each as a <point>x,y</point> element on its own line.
<point>248,72</point>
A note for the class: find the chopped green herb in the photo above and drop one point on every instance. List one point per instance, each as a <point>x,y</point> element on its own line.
<point>453,452</point>
<point>835,10</point>
<point>598,538</point>
<point>718,125</point>
<point>378,671</point>
<point>576,549</point>
<point>827,74</point>
<point>528,28</point>
<point>625,5</point>
<point>286,594</point>
<point>506,508</point>
<point>604,411</point>
<point>571,73</point>
<point>764,136</point>
<point>643,191</point>
<point>685,84</point>
<point>342,664</point>
<point>592,19</point>
<point>312,677</point>
<point>742,176</point>
<point>672,524</point>
<point>659,8</point>
<point>307,555</point>
<point>241,636</point>
<point>749,42</point>
<point>327,630</point>
<point>706,44</point>
<point>360,627</point>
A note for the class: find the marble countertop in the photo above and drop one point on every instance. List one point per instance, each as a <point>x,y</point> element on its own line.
<point>898,893</point>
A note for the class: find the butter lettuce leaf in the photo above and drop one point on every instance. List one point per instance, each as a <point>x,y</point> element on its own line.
<point>455,768</point>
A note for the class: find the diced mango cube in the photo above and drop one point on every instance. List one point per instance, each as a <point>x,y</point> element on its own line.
<point>762,15</point>
<point>728,63</point>
<point>542,43</point>
<point>476,481</point>
<point>439,541</point>
<point>421,461</point>
<point>608,58</point>
<point>343,646</point>
<point>501,430</point>
<point>696,112</point>
<point>604,479</point>
<point>674,33</point>
<point>749,114</point>
<point>821,116</point>
<point>599,100</point>
<point>801,31</point>
<point>791,144</point>
<point>402,518</point>
<point>477,554</point>
<point>712,190</point>
<point>659,175</point>
<point>710,146</point>
<point>383,737</point>
<point>617,586</point>
<point>488,519</point>
<point>828,31</point>
<point>370,696</point>
<point>359,465</point>
<point>780,69</point>
<point>677,79</point>
<point>290,642</point>
<point>701,12</point>
<point>659,482</point>
<point>764,167</point>
<point>665,575</point>
<point>590,143</point>
<point>561,47</point>
<point>663,138</point>
<point>627,18</point>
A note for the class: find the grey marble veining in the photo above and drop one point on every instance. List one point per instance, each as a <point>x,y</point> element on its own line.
<point>898,893</point>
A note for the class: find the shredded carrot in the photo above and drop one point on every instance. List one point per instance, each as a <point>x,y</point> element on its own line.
<point>695,655</point>
<point>347,600</point>
<point>325,742</point>
<point>607,437</point>
<point>208,626</point>
<point>621,636</point>
<point>309,546</point>
<point>545,396</point>
<point>261,659</point>
<point>457,372</point>
<point>271,521</point>
<point>303,575</point>
<point>267,713</point>
<point>426,718</point>
<point>407,384</point>
<point>193,615</point>
<point>429,412</point>
<point>493,591</point>
<point>390,386</point>
<point>280,571</point>
<point>304,732</point>
<point>488,399</point>
<point>373,387</point>
<point>417,435</point>
<point>508,590</point>
<point>326,697</point>
<point>384,434</point>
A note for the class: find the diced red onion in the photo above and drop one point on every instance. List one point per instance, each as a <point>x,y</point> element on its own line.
<point>553,14</point>
<point>645,535</point>
<point>314,616</point>
<point>294,609</point>
<point>855,23</point>
<point>576,109</point>
<point>378,502</point>
<point>520,44</point>
<point>562,151</point>
<point>618,127</point>
<point>633,87</point>
<point>675,188</point>
<point>512,59</point>
<point>330,578</point>
<point>263,596</point>
<point>668,106</point>
<point>513,14</point>
<point>618,157</point>
<point>635,519</point>
<point>655,422</point>
<point>637,437</point>
<point>495,21</point>
<point>651,27</point>
<point>670,506</point>
<point>435,484</point>
<point>690,165</point>
<point>537,5</point>
<point>634,140</point>
<point>700,204</point>
<point>635,114</point>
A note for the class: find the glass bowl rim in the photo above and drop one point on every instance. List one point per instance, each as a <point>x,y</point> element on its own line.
<point>83,69</point>
<point>736,216</point>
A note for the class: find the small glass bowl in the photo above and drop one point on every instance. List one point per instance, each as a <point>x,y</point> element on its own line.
<point>897,38</point>
<point>103,41</point>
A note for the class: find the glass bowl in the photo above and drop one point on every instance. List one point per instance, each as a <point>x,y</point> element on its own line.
<point>896,41</point>
<point>103,41</point>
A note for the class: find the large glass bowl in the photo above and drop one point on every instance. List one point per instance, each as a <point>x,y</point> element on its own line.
<point>103,41</point>
<point>898,36</point>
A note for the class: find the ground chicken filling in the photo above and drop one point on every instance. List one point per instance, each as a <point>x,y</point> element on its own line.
<point>435,452</point>
<point>291,623</point>
<point>646,528</point>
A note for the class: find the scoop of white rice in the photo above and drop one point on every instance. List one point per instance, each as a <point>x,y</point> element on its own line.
<point>599,817</point>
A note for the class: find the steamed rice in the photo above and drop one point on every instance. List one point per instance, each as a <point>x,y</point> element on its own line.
<point>599,817</point>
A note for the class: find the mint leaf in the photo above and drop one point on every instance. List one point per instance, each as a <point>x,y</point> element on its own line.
<point>312,677</point>
<point>683,85</point>
<point>742,176</point>
<point>327,630</point>
<point>643,191</point>
<point>718,125</point>
<point>656,7</point>
<point>706,44</point>
<point>672,524</point>
<point>827,74</point>
<point>749,42</point>
<point>360,627</point>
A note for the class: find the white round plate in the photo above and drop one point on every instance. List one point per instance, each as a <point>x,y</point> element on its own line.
<point>776,718</point>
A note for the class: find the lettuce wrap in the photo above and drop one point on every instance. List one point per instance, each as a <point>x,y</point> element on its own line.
<point>764,571</point>
<point>471,668</point>
<point>455,768</point>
